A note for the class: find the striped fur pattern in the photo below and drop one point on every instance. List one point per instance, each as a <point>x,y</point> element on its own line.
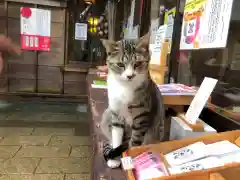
<point>136,113</point>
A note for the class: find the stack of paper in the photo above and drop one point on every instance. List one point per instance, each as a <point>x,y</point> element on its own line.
<point>199,156</point>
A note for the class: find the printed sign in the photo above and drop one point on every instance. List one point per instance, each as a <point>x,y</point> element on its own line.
<point>169,21</point>
<point>169,16</point>
<point>81,31</point>
<point>205,24</point>
<point>156,48</point>
<point>35,29</point>
<point>153,30</point>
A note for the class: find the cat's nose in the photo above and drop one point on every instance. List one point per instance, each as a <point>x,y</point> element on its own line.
<point>130,76</point>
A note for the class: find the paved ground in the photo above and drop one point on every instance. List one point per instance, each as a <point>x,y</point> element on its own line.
<point>44,153</point>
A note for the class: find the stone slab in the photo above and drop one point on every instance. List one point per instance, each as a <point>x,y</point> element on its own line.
<point>53,131</point>
<point>26,140</point>
<point>19,165</point>
<point>64,165</point>
<point>77,177</point>
<point>11,131</point>
<point>44,151</point>
<point>34,177</point>
<point>81,151</point>
<point>69,140</point>
<point>8,151</point>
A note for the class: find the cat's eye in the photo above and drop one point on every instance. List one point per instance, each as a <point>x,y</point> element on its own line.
<point>121,65</point>
<point>137,64</point>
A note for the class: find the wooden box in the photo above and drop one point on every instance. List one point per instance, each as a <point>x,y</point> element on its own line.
<point>227,172</point>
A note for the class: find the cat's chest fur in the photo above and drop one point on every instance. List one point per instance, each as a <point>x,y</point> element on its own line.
<point>120,96</point>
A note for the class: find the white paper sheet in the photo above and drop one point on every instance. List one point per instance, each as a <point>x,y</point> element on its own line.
<point>81,31</point>
<point>200,99</point>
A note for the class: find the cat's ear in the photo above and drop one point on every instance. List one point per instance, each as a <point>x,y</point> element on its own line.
<point>143,42</point>
<point>110,46</point>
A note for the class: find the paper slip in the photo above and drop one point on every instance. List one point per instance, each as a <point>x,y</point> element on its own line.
<point>202,164</point>
<point>186,154</point>
<point>150,173</point>
<point>81,31</point>
<point>160,36</point>
<point>230,158</point>
<point>127,163</point>
<point>220,148</point>
<point>200,99</point>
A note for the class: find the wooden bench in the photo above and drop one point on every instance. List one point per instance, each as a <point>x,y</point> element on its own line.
<point>97,100</point>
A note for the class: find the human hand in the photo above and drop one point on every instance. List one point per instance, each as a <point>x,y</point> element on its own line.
<point>6,45</point>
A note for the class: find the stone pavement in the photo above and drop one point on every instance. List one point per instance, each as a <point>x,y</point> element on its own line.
<point>44,154</point>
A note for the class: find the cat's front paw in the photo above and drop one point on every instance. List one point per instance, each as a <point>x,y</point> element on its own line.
<point>113,163</point>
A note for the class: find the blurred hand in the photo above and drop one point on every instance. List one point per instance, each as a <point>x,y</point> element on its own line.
<point>6,45</point>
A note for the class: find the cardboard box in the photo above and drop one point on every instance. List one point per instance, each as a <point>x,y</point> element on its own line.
<point>227,172</point>
<point>180,130</point>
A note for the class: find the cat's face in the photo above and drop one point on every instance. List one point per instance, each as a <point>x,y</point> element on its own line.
<point>128,59</point>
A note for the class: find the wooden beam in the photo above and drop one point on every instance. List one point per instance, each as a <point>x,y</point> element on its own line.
<point>42,2</point>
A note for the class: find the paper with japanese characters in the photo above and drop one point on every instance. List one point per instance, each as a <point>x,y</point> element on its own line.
<point>205,24</point>
<point>35,29</point>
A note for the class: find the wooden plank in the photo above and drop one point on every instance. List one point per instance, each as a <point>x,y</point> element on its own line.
<point>57,45</point>
<point>48,86</point>
<point>14,9</point>
<point>51,58</point>
<point>2,9</point>
<point>42,2</point>
<point>27,57</point>
<point>2,18</point>
<point>21,85</point>
<point>75,88</point>
<point>57,30</point>
<point>75,83</point>
<point>49,73</point>
<point>13,30</point>
<point>73,76</point>
<point>23,71</point>
<point>49,79</point>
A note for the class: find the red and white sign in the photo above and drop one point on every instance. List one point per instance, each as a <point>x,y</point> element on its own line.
<point>35,29</point>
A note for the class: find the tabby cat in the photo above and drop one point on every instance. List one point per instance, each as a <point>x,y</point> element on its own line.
<point>136,112</point>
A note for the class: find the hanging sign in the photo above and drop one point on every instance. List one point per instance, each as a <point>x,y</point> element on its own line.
<point>35,29</point>
<point>205,24</point>
<point>169,21</point>
<point>169,16</point>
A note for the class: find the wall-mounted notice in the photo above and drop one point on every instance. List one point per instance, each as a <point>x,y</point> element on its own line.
<point>169,20</point>
<point>157,47</point>
<point>170,16</point>
<point>153,30</point>
<point>200,99</point>
<point>35,29</point>
<point>205,24</point>
<point>81,31</point>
